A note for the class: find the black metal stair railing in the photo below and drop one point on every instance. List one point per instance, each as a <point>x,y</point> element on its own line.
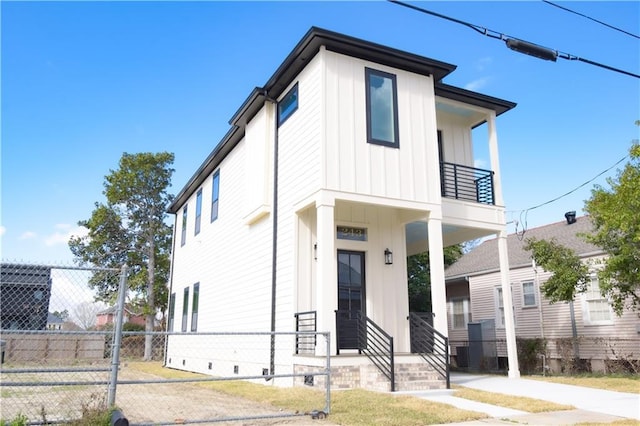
<point>305,343</point>
<point>377,345</point>
<point>467,183</point>
<point>431,345</point>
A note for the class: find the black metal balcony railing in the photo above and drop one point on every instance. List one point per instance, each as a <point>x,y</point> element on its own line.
<point>305,322</point>
<point>466,183</point>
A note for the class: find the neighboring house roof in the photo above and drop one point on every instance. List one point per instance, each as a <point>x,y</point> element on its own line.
<point>53,319</point>
<point>484,258</point>
<point>112,310</point>
<point>295,62</point>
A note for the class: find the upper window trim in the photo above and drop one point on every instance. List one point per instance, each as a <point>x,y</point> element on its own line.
<point>196,229</point>
<point>215,195</point>
<point>394,93</point>
<point>286,106</point>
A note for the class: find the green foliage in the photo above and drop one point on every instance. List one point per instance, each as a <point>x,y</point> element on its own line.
<point>130,229</point>
<point>419,279</point>
<point>129,326</point>
<point>19,420</point>
<point>528,354</point>
<point>615,213</point>
<point>570,275</point>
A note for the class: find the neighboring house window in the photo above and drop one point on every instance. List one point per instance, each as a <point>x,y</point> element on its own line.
<point>598,309</point>
<point>529,294</point>
<point>500,309</point>
<point>194,307</point>
<point>288,105</point>
<point>460,315</point>
<point>185,308</point>
<point>198,211</point>
<point>172,311</point>
<point>184,226</point>
<point>215,194</point>
<point>382,108</point>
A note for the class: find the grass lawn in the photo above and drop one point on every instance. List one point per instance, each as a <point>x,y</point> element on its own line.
<point>521,403</point>
<point>618,383</point>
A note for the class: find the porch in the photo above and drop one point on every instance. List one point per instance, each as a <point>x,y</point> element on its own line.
<point>365,355</point>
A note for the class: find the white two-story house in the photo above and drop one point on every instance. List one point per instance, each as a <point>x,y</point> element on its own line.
<point>351,157</point>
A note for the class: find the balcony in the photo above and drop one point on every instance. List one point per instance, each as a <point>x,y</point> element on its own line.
<point>466,183</point>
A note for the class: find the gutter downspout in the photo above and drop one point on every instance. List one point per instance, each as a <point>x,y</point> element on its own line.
<point>274,257</point>
<point>166,340</point>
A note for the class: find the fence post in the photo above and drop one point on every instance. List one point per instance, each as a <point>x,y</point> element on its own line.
<point>117,339</point>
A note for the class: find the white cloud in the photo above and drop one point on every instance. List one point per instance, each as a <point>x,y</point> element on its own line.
<point>64,233</point>
<point>477,84</point>
<point>480,163</point>
<point>28,235</point>
<point>2,230</point>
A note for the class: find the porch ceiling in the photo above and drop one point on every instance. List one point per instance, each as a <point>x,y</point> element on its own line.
<point>417,236</point>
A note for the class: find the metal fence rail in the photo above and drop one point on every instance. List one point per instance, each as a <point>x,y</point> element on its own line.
<point>64,355</point>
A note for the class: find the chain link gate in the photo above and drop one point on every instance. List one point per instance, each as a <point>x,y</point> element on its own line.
<point>65,355</point>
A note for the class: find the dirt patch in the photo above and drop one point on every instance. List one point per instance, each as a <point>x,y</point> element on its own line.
<point>177,403</point>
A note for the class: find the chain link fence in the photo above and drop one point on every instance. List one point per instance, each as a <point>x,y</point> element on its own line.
<point>64,355</point>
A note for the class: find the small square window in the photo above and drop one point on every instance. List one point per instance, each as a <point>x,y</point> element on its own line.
<point>288,105</point>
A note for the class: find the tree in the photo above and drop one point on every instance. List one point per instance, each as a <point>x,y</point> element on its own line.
<point>84,314</point>
<point>615,213</point>
<point>419,277</point>
<point>570,274</point>
<point>130,229</point>
<point>63,315</point>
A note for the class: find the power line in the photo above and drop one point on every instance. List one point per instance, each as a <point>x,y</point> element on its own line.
<point>593,19</point>
<point>516,44</point>
<point>524,213</point>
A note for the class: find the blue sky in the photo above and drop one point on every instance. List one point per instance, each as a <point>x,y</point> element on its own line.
<point>83,82</point>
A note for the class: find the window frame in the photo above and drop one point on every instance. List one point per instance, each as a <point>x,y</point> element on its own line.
<point>183,238</point>
<point>285,112</point>
<point>592,294</point>
<point>466,312</point>
<point>185,309</point>
<point>172,311</point>
<point>195,302</point>
<point>500,318</point>
<point>534,294</point>
<point>369,72</point>
<point>215,195</point>
<point>196,228</point>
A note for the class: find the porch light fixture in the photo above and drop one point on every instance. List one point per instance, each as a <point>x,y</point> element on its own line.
<point>388,257</point>
<point>315,251</point>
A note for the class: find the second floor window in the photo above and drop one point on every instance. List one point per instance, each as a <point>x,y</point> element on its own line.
<point>215,194</point>
<point>183,238</point>
<point>382,108</point>
<point>172,311</point>
<point>198,211</point>
<point>288,105</point>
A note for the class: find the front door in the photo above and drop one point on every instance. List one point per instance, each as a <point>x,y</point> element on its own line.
<point>351,297</point>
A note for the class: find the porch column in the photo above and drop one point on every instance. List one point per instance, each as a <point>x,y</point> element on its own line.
<point>507,302</point>
<point>436,264</point>
<point>326,273</point>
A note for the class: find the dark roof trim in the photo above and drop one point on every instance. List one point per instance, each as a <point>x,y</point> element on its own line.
<point>478,99</point>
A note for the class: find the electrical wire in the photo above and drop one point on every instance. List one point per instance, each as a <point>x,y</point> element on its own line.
<point>501,36</point>
<point>593,19</point>
<point>524,213</point>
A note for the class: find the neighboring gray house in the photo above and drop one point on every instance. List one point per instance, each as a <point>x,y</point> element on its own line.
<point>474,295</point>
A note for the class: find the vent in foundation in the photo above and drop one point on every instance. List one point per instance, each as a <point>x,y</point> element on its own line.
<point>210,365</point>
<point>235,369</point>
<point>308,380</point>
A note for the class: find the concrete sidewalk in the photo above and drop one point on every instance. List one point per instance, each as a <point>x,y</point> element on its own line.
<point>592,405</point>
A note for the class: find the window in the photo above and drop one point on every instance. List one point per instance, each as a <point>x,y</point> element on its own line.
<point>194,307</point>
<point>215,193</point>
<point>382,108</point>
<point>598,310</point>
<point>184,226</point>
<point>288,105</point>
<point>185,309</point>
<point>198,211</point>
<point>500,309</point>
<point>460,315</point>
<point>172,311</point>
<point>529,294</point>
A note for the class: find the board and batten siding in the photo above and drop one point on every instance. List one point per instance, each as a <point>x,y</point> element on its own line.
<point>351,164</point>
<point>456,139</point>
